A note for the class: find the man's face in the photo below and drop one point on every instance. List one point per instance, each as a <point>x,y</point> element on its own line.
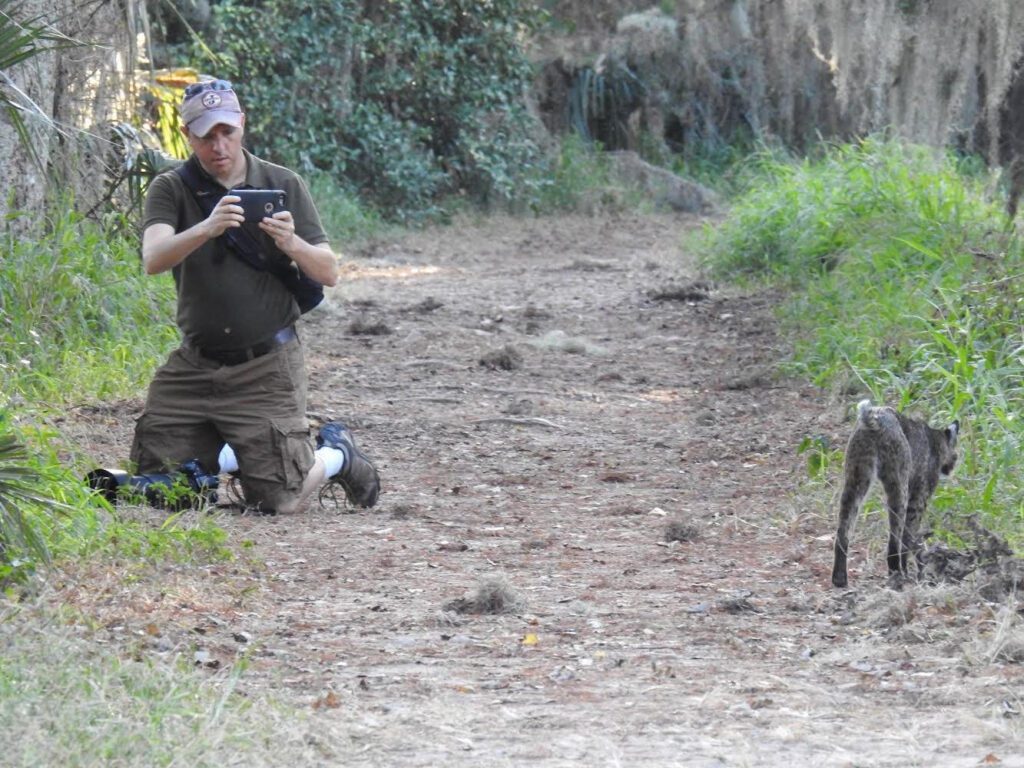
<point>220,150</point>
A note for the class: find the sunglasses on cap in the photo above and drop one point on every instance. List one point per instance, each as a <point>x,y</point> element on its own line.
<point>207,85</point>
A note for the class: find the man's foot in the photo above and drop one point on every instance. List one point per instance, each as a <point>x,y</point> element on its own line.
<point>358,476</point>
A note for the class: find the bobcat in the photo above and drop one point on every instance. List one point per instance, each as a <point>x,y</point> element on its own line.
<point>907,456</point>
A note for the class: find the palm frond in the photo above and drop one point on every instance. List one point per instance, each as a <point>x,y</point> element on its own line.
<point>601,98</point>
<point>136,165</point>
<point>21,531</point>
<point>19,42</point>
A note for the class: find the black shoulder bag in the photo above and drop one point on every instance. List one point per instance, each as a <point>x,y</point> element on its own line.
<point>308,293</point>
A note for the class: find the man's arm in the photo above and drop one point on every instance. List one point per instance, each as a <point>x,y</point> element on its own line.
<point>163,249</point>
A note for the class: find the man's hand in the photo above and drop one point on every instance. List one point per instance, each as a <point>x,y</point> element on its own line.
<point>163,249</point>
<point>224,216</point>
<point>281,227</point>
<point>316,261</point>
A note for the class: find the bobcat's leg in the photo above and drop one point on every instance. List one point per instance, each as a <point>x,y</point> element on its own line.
<point>896,500</point>
<point>855,488</point>
<point>894,464</point>
<point>911,535</point>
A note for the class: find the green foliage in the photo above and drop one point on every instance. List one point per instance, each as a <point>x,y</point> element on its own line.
<point>404,101</point>
<point>908,290</point>
<point>344,217</point>
<point>910,7</point>
<point>821,457</point>
<point>729,169</point>
<point>21,540</point>
<point>858,200</point>
<point>391,164</point>
<point>48,513</point>
<point>78,318</point>
<point>128,178</point>
<point>79,321</point>
<point>578,169</point>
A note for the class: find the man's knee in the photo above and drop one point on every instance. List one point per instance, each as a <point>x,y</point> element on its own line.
<point>160,445</point>
<point>274,460</point>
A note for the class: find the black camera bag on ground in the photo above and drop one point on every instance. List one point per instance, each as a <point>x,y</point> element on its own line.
<point>308,293</point>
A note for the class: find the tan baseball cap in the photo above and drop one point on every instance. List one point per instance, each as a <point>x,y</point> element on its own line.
<point>208,103</point>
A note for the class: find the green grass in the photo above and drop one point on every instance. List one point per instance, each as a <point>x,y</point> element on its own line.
<point>79,321</point>
<point>345,218</point>
<point>47,514</point>
<point>903,286</point>
<point>580,179</point>
<point>728,169</point>
<point>67,700</point>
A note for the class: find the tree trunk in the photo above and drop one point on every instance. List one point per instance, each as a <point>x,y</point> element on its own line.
<point>67,97</point>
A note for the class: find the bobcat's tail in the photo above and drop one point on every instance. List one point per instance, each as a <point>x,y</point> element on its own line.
<point>871,416</point>
<point>862,408</point>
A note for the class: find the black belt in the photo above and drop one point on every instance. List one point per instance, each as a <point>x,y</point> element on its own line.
<point>239,356</point>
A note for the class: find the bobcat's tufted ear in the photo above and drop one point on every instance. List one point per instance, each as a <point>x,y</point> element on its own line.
<point>952,432</point>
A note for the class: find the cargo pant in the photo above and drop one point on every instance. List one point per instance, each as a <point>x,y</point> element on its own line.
<point>195,405</point>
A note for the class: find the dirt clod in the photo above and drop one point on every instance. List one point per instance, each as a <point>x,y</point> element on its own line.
<point>681,530</point>
<point>362,326</point>
<point>429,304</point>
<point>698,291</point>
<point>508,358</point>
<point>492,596</point>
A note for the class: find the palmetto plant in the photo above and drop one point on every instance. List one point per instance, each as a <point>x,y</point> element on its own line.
<point>20,533</point>
<point>601,98</point>
<point>19,42</point>
<point>138,164</point>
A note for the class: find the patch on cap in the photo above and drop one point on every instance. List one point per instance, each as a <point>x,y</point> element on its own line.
<point>211,107</point>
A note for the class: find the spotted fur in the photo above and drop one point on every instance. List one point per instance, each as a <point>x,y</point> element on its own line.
<point>907,457</point>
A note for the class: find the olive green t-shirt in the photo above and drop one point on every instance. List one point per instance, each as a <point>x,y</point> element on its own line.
<point>223,303</point>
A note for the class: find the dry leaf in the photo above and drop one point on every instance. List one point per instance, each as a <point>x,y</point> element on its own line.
<point>330,700</point>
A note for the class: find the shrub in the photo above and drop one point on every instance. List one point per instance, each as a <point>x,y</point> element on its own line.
<point>404,101</point>
<point>344,216</point>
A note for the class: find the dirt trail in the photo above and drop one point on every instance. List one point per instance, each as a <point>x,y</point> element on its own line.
<point>556,465</point>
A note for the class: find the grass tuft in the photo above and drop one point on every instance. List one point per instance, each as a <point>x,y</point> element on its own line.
<point>493,595</point>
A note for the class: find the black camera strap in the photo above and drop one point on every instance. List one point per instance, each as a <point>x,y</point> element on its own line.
<point>308,293</point>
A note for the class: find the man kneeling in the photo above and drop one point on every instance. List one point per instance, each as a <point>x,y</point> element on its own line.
<point>233,395</point>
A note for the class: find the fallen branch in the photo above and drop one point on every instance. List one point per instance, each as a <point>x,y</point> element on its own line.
<point>433,362</point>
<point>532,421</point>
<point>572,395</point>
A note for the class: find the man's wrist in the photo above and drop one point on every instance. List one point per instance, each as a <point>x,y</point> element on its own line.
<point>206,230</point>
<point>294,246</point>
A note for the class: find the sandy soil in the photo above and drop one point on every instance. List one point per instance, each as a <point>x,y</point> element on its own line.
<point>541,419</point>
